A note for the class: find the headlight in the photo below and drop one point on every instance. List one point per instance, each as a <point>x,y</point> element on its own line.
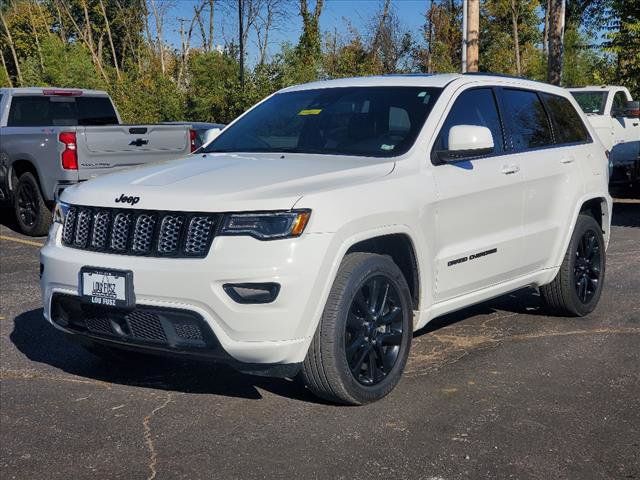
<point>60,212</point>
<point>266,226</point>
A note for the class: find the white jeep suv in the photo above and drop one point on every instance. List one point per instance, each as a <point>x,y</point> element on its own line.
<point>330,221</point>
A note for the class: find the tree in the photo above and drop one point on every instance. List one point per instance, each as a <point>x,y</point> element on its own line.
<point>556,36</point>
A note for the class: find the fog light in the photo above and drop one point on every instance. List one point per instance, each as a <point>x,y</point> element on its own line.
<point>252,292</point>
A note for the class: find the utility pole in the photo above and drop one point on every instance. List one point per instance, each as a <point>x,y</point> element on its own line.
<point>473,35</point>
<point>241,40</point>
<point>556,40</point>
<point>465,34</point>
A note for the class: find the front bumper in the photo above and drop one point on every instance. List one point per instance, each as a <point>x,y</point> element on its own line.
<point>274,333</point>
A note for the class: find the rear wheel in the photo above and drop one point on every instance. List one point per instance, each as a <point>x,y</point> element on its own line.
<point>577,288</point>
<point>361,346</point>
<point>32,214</point>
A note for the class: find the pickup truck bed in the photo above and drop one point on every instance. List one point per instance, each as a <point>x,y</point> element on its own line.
<point>62,137</point>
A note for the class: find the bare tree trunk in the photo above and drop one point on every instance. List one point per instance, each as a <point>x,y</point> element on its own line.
<point>4,65</point>
<point>63,35</point>
<point>430,39</point>
<point>12,48</point>
<point>210,41</point>
<point>158,17</point>
<point>473,38</point>
<point>545,32</point>
<point>241,40</point>
<point>515,14</point>
<point>556,34</point>
<point>86,36</point>
<point>377,39</point>
<point>36,37</point>
<point>113,49</point>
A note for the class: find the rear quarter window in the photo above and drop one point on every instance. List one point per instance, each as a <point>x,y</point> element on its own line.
<point>568,127</point>
<point>526,119</point>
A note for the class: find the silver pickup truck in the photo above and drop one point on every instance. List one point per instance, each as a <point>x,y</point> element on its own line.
<point>51,138</point>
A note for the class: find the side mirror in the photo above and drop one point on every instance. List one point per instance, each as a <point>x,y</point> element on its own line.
<point>210,135</point>
<point>467,141</point>
<point>632,109</point>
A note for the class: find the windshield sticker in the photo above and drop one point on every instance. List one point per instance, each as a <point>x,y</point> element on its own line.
<point>310,111</point>
<point>422,94</point>
<point>384,146</point>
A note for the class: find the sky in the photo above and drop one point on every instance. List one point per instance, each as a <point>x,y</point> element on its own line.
<point>336,14</point>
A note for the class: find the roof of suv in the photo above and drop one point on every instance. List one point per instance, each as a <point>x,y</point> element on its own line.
<point>426,80</point>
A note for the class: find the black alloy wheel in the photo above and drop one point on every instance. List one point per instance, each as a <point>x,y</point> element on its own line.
<point>374,331</point>
<point>577,287</point>
<point>360,347</point>
<point>27,203</point>
<point>587,266</point>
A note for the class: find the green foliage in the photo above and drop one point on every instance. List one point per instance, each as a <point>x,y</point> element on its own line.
<point>581,65</point>
<point>57,47</point>
<point>65,65</point>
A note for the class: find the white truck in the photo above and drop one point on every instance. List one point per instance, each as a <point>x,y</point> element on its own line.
<point>52,138</point>
<point>330,221</point>
<point>615,116</point>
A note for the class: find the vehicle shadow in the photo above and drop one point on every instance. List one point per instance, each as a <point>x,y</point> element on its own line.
<point>526,301</point>
<point>42,343</point>
<point>626,214</point>
<point>8,218</point>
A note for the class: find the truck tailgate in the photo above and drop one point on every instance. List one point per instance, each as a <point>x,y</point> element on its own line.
<point>110,148</point>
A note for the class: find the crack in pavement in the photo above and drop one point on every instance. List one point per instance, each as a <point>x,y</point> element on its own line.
<point>146,425</point>
<point>13,374</point>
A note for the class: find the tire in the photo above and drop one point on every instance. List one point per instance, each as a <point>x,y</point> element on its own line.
<point>32,214</point>
<point>358,324</point>
<point>578,285</point>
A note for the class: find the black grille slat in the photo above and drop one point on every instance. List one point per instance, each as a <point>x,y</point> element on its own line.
<point>140,232</point>
<point>68,232</point>
<point>198,233</point>
<point>101,223</point>
<point>169,238</point>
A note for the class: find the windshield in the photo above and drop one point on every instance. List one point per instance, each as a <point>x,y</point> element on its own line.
<point>363,121</point>
<point>591,102</point>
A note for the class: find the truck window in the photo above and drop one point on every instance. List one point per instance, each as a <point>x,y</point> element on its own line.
<point>473,107</point>
<point>567,124</point>
<point>526,118</point>
<point>591,101</point>
<point>619,102</point>
<point>39,110</point>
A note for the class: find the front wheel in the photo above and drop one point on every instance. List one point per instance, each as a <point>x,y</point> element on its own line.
<point>577,288</point>
<point>360,348</point>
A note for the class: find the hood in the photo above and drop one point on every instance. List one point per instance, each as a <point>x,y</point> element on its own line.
<point>228,182</point>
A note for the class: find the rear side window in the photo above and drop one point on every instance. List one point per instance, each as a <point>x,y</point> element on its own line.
<point>37,110</point>
<point>473,107</point>
<point>567,124</point>
<point>526,118</point>
<point>619,101</point>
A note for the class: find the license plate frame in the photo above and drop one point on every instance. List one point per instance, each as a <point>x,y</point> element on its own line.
<point>110,287</point>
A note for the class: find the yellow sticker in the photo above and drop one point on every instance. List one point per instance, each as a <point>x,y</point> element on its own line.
<point>311,111</point>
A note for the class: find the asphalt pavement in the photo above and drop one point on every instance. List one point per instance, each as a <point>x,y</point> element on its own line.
<point>498,390</point>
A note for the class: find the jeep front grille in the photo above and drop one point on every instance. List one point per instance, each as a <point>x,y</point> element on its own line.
<point>140,232</point>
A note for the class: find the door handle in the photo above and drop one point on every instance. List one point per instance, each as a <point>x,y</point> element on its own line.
<point>567,160</point>
<point>510,169</point>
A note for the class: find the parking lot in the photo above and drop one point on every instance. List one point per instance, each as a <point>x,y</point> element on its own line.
<point>499,390</point>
